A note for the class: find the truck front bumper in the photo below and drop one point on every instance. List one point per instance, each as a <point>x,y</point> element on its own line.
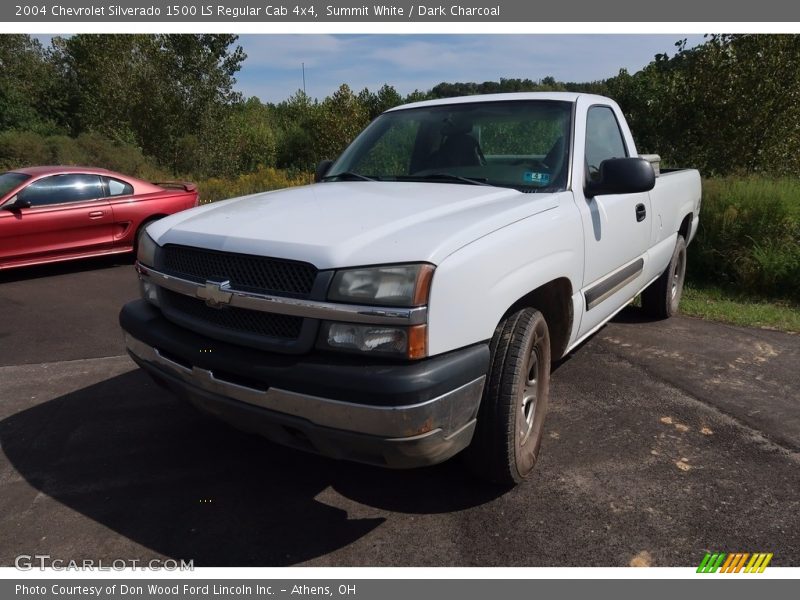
<point>398,415</point>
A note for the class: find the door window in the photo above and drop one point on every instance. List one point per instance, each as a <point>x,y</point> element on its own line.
<point>8,181</point>
<point>603,138</point>
<point>61,189</point>
<point>118,188</point>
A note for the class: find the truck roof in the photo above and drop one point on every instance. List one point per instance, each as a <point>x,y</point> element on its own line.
<point>562,96</point>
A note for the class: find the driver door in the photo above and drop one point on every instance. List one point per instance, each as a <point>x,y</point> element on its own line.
<point>616,227</point>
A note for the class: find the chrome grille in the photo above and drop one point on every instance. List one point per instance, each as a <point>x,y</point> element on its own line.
<point>238,320</point>
<point>245,271</point>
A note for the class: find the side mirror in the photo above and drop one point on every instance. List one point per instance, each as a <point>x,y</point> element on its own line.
<point>621,176</point>
<point>16,203</point>
<point>322,169</point>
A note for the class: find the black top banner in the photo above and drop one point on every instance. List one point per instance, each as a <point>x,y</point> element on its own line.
<point>304,11</point>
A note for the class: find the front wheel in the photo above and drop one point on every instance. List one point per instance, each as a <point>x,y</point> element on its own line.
<point>662,297</point>
<point>510,423</point>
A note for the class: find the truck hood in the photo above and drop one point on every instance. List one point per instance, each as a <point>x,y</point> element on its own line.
<point>341,224</point>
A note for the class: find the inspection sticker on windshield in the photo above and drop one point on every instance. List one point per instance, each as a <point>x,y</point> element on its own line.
<point>534,177</point>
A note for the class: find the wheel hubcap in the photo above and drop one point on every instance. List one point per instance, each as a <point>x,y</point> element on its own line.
<point>529,394</point>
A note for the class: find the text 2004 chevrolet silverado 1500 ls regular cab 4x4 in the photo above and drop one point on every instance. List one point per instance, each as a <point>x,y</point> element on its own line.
<point>409,304</point>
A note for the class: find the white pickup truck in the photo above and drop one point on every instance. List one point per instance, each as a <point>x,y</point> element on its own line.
<point>408,305</point>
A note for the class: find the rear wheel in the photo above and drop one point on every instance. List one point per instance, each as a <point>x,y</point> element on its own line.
<point>510,423</point>
<point>662,298</point>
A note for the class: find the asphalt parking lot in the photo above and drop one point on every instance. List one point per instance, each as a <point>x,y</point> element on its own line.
<point>665,440</point>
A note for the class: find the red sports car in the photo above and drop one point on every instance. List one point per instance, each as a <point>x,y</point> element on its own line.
<point>50,214</point>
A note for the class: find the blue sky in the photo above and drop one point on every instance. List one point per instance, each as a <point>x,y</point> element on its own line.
<point>273,72</point>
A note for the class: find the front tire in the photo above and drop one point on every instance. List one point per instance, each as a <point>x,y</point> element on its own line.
<point>662,298</point>
<point>510,423</point>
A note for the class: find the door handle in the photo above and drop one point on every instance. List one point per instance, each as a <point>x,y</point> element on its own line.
<point>96,214</point>
<point>641,213</point>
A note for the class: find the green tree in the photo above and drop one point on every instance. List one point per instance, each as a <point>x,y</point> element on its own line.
<point>313,131</point>
<point>296,120</point>
<point>28,86</point>
<point>243,140</point>
<point>374,104</point>
<point>418,96</point>
<point>149,90</point>
<point>729,105</point>
<point>341,118</point>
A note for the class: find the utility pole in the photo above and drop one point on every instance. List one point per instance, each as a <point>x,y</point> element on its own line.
<point>304,78</point>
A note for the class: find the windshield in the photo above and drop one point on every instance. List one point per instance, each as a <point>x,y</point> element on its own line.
<point>8,181</point>
<point>522,144</point>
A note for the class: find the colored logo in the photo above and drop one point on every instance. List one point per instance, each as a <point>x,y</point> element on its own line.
<point>735,562</point>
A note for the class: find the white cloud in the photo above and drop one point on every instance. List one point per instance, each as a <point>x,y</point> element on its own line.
<point>288,51</point>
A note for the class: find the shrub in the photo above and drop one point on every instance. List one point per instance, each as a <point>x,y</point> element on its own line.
<point>117,156</point>
<point>22,148</point>
<point>26,148</point>
<point>262,179</point>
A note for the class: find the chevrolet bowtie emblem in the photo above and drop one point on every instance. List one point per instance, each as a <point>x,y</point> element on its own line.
<point>216,293</point>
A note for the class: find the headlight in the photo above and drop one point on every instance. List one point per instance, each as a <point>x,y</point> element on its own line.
<point>401,342</point>
<point>390,285</point>
<point>146,252</point>
<point>397,285</point>
<point>146,255</point>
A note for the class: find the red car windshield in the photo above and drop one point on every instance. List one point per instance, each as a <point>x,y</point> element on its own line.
<point>8,181</point>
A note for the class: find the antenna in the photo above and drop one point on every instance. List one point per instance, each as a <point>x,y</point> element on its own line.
<point>304,78</point>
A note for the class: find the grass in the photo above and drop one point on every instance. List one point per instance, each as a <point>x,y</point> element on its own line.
<point>749,236</point>
<point>717,304</point>
<point>744,265</point>
<point>755,190</point>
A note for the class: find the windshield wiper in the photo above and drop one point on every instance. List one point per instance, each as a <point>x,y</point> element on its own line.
<point>349,175</point>
<point>448,177</point>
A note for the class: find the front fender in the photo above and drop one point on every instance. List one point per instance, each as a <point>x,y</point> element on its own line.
<point>475,286</point>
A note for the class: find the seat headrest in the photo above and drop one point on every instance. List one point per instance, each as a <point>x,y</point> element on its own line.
<point>450,127</point>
